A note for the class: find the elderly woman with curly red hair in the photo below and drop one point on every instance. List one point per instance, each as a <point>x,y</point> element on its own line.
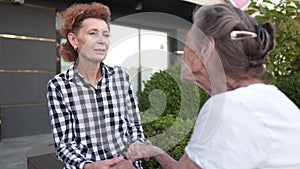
<point>94,113</point>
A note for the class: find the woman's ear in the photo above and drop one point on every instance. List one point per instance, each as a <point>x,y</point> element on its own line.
<point>72,39</point>
<point>209,46</point>
<point>212,42</point>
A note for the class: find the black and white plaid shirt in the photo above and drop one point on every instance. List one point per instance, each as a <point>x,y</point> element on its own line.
<point>93,123</point>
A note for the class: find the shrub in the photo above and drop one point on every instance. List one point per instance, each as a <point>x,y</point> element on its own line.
<point>284,60</point>
<point>169,110</point>
<point>290,85</point>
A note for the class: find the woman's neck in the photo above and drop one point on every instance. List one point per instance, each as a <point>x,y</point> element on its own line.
<point>242,82</point>
<point>90,71</point>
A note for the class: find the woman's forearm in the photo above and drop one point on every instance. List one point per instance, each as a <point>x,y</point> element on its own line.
<point>166,161</point>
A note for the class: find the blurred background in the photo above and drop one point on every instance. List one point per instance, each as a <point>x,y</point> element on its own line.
<point>29,40</point>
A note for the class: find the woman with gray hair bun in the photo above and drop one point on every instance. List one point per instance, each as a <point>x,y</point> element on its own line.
<point>247,123</point>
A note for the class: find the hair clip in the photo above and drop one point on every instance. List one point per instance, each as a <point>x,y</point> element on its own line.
<point>266,40</point>
<point>238,35</point>
<point>74,19</point>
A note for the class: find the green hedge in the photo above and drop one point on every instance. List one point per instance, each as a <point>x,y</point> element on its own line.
<point>290,85</point>
<point>169,110</point>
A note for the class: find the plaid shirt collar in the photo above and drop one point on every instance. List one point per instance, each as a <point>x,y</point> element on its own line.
<point>72,73</point>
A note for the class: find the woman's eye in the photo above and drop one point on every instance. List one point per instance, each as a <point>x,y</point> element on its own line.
<point>106,35</point>
<point>92,33</point>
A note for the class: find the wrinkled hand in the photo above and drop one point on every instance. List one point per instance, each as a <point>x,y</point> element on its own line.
<point>104,164</point>
<point>139,151</point>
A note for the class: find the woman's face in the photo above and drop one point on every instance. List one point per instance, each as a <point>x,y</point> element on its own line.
<point>193,70</point>
<point>93,40</point>
<point>202,65</point>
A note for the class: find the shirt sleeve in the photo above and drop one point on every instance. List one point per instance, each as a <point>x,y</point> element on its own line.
<point>135,122</point>
<point>233,139</point>
<point>67,149</point>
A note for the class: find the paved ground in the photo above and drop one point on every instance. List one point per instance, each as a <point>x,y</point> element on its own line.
<point>13,151</point>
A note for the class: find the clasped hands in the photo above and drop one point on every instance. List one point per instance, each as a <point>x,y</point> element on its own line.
<point>136,151</point>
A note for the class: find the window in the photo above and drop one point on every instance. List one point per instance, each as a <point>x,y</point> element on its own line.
<point>143,52</point>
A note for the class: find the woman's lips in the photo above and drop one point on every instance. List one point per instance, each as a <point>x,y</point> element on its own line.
<point>100,51</point>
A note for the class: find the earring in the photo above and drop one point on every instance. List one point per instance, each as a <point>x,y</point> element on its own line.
<point>75,48</point>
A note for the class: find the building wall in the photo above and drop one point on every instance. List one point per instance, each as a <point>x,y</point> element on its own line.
<point>28,54</point>
<point>27,62</point>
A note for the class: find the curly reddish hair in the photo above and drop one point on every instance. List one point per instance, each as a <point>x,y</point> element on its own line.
<point>73,18</point>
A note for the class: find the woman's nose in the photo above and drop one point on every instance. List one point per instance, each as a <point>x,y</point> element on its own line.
<point>99,38</point>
